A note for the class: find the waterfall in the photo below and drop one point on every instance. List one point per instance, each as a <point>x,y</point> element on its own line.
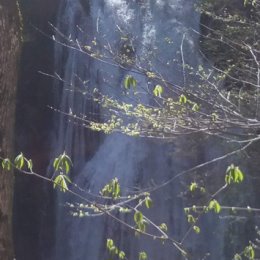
<point>135,162</point>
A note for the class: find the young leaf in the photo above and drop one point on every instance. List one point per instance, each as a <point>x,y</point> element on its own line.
<point>214,117</point>
<point>62,163</point>
<point>193,186</point>
<point>148,202</point>
<point>228,179</point>
<point>138,217</point>
<point>110,243</point>
<point>56,163</point>
<point>234,175</point>
<point>130,81</point>
<point>116,188</point>
<point>196,229</point>
<point>142,255</point>
<point>19,161</point>
<point>237,257</point>
<point>214,205</point>
<point>183,99</point>
<point>67,162</point>
<point>60,183</point>
<point>121,255</point>
<point>142,226</point>
<point>238,175</point>
<point>195,107</point>
<point>30,164</point>
<point>164,227</point>
<point>112,189</point>
<point>6,164</point>
<point>158,90</point>
<point>249,252</point>
<point>67,179</point>
<point>191,219</point>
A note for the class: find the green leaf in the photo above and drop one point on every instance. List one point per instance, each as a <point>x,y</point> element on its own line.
<point>19,161</point>
<point>142,255</point>
<point>6,164</point>
<point>193,186</point>
<point>195,107</point>
<point>238,175</point>
<point>234,174</point>
<point>130,81</point>
<point>66,162</point>
<point>138,217</point>
<point>110,243</point>
<point>237,257</point>
<point>60,182</point>
<point>30,164</point>
<point>200,68</point>
<point>121,255</point>
<point>112,189</point>
<point>148,202</point>
<point>249,252</point>
<point>56,164</point>
<point>158,91</point>
<point>142,226</point>
<point>202,190</point>
<point>214,205</point>
<point>228,179</point>
<point>191,219</point>
<point>196,229</point>
<point>183,99</point>
<point>62,163</point>
<point>186,210</point>
<point>163,227</point>
<point>67,178</point>
<point>214,117</point>
<point>116,188</point>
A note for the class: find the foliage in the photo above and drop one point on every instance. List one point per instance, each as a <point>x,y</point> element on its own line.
<point>205,107</point>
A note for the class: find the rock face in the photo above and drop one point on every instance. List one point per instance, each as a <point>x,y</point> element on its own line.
<point>9,57</point>
<point>33,215</point>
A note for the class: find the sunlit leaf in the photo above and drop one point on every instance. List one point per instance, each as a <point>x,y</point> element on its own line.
<point>148,202</point>
<point>191,219</point>
<point>6,164</point>
<point>130,81</point>
<point>163,227</point>
<point>60,183</point>
<point>238,175</point>
<point>195,107</point>
<point>214,117</point>
<point>214,205</point>
<point>183,99</point>
<point>193,186</point>
<point>62,163</point>
<point>110,243</point>
<point>30,164</point>
<point>158,91</point>
<point>142,255</point>
<point>142,226</point>
<point>249,252</point>
<point>121,255</point>
<point>237,257</point>
<point>196,229</point>
<point>19,161</point>
<point>234,174</point>
<point>138,217</point>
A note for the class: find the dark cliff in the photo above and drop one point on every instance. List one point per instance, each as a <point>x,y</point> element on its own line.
<point>9,58</point>
<point>33,219</point>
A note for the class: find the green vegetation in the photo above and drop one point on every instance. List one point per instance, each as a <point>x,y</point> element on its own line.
<point>221,101</point>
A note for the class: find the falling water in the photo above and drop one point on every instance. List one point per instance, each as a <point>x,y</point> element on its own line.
<point>136,162</point>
